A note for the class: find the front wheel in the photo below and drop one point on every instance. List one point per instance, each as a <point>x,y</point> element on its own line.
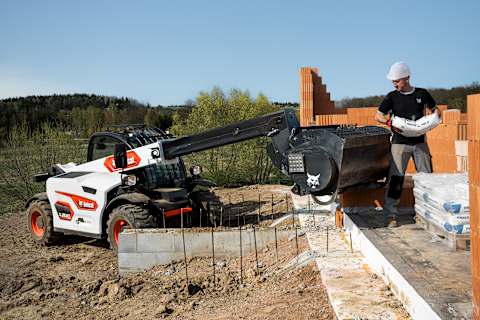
<point>127,216</point>
<point>40,222</point>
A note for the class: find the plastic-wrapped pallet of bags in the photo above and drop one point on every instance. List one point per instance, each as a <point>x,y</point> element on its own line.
<point>442,199</point>
<point>444,191</point>
<point>459,224</point>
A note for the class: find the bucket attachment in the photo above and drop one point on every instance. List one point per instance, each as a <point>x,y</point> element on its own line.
<point>328,160</point>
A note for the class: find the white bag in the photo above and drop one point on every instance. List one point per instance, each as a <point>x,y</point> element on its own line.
<point>410,128</point>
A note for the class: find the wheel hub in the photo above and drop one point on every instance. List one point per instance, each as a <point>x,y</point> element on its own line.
<point>37,223</point>
<point>117,228</point>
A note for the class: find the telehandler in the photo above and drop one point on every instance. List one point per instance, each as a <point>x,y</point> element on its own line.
<point>137,178</point>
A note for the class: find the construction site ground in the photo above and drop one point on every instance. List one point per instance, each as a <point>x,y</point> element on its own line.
<point>439,275</point>
<point>79,279</point>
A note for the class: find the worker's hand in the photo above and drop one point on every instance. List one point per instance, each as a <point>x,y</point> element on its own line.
<point>396,129</point>
<point>389,124</point>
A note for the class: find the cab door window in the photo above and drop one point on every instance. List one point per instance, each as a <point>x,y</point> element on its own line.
<point>103,147</point>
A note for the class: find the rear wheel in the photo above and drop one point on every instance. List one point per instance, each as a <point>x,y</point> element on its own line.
<point>127,216</point>
<point>40,222</point>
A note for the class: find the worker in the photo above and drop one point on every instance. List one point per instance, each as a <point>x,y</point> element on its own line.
<point>410,103</point>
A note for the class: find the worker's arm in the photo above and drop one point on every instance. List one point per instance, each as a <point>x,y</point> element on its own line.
<point>380,117</point>
<point>432,105</point>
<point>384,110</point>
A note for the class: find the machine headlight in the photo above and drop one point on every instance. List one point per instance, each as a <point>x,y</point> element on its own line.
<point>295,163</point>
<point>195,170</point>
<point>130,180</point>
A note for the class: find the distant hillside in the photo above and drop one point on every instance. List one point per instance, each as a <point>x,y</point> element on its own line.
<point>68,111</point>
<point>456,98</point>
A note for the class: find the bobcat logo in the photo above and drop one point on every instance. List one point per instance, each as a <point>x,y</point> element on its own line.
<point>312,180</point>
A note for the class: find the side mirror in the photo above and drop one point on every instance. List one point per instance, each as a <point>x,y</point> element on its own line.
<point>120,155</point>
<point>195,170</point>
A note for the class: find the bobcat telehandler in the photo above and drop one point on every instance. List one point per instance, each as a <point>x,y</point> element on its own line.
<point>137,178</point>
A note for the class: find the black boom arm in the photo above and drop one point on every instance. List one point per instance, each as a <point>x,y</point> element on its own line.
<point>266,125</point>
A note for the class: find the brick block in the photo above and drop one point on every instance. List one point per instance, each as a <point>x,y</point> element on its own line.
<point>451,116</point>
<point>474,161</point>
<point>473,107</point>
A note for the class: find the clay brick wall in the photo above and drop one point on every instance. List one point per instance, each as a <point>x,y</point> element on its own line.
<point>473,107</point>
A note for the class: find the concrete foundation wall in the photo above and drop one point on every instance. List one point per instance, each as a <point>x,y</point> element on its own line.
<point>141,249</point>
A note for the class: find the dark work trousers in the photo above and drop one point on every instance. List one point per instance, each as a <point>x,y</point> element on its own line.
<point>401,153</point>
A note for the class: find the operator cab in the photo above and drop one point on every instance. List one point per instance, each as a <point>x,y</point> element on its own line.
<point>101,144</point>
<point>168,174</point>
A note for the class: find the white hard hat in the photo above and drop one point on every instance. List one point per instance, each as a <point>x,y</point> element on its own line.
<point>398,70</point>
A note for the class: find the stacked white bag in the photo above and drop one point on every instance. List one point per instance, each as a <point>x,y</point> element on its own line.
<point>442,199</point>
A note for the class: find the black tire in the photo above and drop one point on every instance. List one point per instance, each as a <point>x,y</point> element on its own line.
<point>133,215</point>
<point>40,223</point>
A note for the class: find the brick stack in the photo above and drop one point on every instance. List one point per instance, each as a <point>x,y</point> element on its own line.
<point>473,105</point>
<point>331,119</point>
<point>306,96</point>
<point>314,98</point>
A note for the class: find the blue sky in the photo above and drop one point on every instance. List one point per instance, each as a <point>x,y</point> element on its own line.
<point>165,52</point>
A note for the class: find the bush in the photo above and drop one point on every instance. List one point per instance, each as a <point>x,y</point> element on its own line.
<point>26,153</point>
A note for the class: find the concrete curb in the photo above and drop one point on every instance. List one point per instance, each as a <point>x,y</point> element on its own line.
<point>141,249</point>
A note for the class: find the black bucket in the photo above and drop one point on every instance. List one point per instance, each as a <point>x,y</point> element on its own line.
<point>325,160</point>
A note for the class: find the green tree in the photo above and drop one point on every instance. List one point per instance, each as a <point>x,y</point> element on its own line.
<point>245,162</point>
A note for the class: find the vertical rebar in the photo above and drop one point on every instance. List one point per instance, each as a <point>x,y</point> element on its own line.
<point>184,250</point>
<point>327,238</point>
<point>229,211</point>
<point>238,218</point>
<point>221,216</point>
<point>286,201</point>
<point>202,212</point>
<point>256,252</point>
<point>243,203</point>
<point>272,209</point>
<point>213,260</point>
<point>241,256</point>
<point>293,217</point>
<point>276,245</point>
<point>351,244</point>
<point>311,211</point>
<point>259,207</point>
<point>229,217</point>
<point>296,241</point>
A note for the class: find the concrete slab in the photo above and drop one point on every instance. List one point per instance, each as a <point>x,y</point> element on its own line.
<point>141,249</point>
<point>354,291</point>
<point>431,280</point>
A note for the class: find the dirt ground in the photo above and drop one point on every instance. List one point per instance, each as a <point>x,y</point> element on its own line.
<point>78,279</point>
